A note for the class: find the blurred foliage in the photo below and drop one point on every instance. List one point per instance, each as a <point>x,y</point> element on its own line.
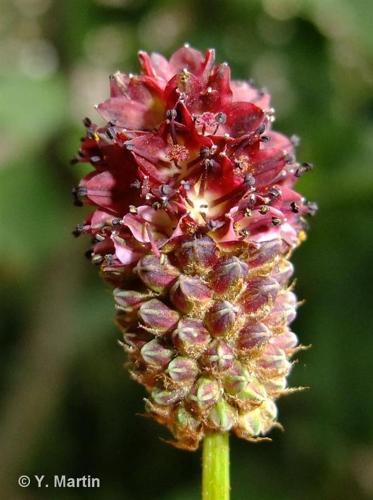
<point>67,407</point>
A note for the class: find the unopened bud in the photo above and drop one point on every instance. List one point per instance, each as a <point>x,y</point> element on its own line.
<point>252,338</point>
<point>129,300</point>
<point>252,394</point>
<point>222,416</point>
<point>249,424</point>
<point>182,369</point>
<point>205,393</point>
<point>235,379</point>
<point>283,272</point>
<point>185,421</point>
<point>228,276</point>
<point>197,255</point>
<point>164,397</point>
<point>190,294</point>
<point>287,341</point>
<point>283,312</point>
<point>274,359</point>
<point>257,421</point>
<point>265,253</point>
<point>191,337</point>
<point>157,317</point>
<point>259,296</point>
<point>155,273</point>
<point>275,385</point>
<point>221,318</point>
<point>155,354</point>
<point>137,338</point>
<point>218,356</point>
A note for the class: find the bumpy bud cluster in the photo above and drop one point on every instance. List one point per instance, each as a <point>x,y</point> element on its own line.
<point>195,220</point>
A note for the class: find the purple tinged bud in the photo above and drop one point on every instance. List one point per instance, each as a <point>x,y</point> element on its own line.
<point>259,296</point>
<point>284,272</point>
<point>185,421</point>
<point>161,414</point>
<point>137,339</point>
<point>249,424</point>
<point>252,338</point>
<point>235,379</point>
<point>275,385</point>
<point>155,354</point>
<point>129,300</point>
<point>190,294</point>
<point>265,253</point>
<point>274,359</point>
<point>253,393</point>
<point>228,275</point>
<point>157,317</point>
<point>191,337</point>
<point>269,409</point>
<point>221,318</point>
<point>218,356</point>
<point>164,397</point>
<point>286,341</point>
<point>197,255</point>
<point>222,416</point>
<point>157,273</point>
<point>257,421</point>
<point>205,393</point>
<point>283,312</point>
<point>182,369</point>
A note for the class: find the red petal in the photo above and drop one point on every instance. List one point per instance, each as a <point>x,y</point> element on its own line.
<point>188,86</point>
<point>110,191</point>
<point>208,63</point>
<point>136,104</point>
<point>243,91</point>
<point>161,66</point>
<point>243,118</point>
<point>267,164</point>
<point>124,112</point>
<point>187,58</point>
<point>149,146</point>
<point>125,254</point>
<point>219,94</point>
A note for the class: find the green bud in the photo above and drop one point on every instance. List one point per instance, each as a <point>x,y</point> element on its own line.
<point>222,417</point>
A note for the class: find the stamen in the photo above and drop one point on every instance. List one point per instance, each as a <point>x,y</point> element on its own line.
<point>311,208</point>
<point>294,207</point>
<point>276,221</point>
<point>110,133</point>
<point>305,167</point>
<point>78,230</point>
<point>78,193</point>
<point>171,115</point>
<point>249,180</point>
<point>263,210</point>
<point>165,189</point>
<point>274,193</point>
<point>295,140</point>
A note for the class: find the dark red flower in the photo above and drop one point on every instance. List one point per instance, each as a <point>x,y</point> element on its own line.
<point>195,218</point>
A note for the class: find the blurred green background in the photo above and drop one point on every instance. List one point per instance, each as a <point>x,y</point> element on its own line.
<point>67,405</point>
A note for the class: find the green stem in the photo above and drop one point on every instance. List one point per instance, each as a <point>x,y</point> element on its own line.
<point>215,465</point>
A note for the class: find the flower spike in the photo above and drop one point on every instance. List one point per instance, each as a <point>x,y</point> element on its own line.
<point>195,218</point>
